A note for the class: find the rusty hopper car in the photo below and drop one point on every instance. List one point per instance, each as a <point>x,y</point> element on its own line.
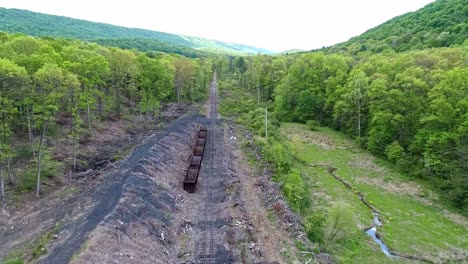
<point>191,177</point>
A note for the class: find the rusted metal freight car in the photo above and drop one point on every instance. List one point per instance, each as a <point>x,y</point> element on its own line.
<point>191,177</point>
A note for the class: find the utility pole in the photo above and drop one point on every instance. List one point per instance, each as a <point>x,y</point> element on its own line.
<point>266,122</point>
<point>258,96</point>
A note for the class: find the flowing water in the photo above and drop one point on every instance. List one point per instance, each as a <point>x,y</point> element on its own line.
<point>372,232</point>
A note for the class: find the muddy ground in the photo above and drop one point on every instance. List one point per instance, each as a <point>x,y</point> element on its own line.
<point>138,211</point>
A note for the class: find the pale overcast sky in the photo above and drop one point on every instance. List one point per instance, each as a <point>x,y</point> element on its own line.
<point>276,24</point>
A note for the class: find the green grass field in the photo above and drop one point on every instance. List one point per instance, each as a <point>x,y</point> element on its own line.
<point>415,221</point>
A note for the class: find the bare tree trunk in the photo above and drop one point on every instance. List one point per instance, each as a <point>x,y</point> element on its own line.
<point>141,113</point>
<point>88,116</point>
<point>2,186</point>
<point>73,168</point>
<point>359,119</point>
<point>11,175</point>
<point>100,106</point>
<point>117,103</point>
<point>73,132</point>
<point>74,152</point>
<point>31,136</point>
<point>266,123</point>
<point>39,159</point>
<point>178,94</point>
<point>258,96</point>
<point>147,107</point>
<point>131,101</point>
<point>178,88</point>
<point>154,109</point>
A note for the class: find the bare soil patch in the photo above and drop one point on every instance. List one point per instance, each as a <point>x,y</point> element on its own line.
<point>367,162</point>
<point>136,203</point>
<point>267,238</point>
<point>26,219</point>
<point>310,137</point>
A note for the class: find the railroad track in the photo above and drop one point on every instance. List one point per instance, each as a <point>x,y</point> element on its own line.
<point>208,254</point>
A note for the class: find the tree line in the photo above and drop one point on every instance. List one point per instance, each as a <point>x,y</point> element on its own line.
<point>410,108</point>
<point>42,79</point>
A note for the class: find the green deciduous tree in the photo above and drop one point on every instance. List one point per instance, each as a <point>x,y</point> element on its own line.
<point>92,70</point>
<point>123,70</point>
<point>184,76</point>
<point>154,82</point>
<point>13,79</point>
<point>49,82</point>
<point>352,106</point>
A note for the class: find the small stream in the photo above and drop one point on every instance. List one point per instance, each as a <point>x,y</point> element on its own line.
<point>372,232</point>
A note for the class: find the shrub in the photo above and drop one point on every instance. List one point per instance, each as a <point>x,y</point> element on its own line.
<point>294,190</point>
<point>339,224</point>
<point>279,156</point>
<point>394,151</point>
<point>16,260</point>
<point>50,168</point>
<point>314,225</point>
<point>24,152</point>
<point>312,125</point>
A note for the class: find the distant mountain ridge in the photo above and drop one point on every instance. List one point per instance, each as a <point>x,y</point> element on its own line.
<point>38,24</point>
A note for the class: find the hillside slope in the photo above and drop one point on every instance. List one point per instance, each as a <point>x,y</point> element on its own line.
<point>443,23</point>
<point>37,24</point>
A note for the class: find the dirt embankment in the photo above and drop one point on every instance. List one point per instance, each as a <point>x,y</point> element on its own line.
<point>133,221</point>
<point>22,226</point>
<point>139,213</point>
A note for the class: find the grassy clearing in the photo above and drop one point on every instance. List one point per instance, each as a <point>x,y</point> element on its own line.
<point>33,250</point>
<point>40,246</point>
<point>15,257</point>
<point>415,221</point>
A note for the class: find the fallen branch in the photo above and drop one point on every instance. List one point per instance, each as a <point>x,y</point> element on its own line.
<point>112,164</point>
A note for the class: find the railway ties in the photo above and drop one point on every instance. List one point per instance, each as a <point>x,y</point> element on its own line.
<point>209,233</point>
<point>208,247</point>
<point>204,148</point>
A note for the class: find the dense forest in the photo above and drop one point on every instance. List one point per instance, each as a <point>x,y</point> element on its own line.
<point>36,24</point>
<point>151,45</point>
<point>439,24</point>
<point>46,83</point>
<point>410,107</point>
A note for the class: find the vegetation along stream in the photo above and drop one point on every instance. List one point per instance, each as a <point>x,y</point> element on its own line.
<point>371,231</point>
<point>376,223</point>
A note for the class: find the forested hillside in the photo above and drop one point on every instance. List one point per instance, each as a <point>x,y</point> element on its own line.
<point>443,23</point>
<point>56,90</point>
<point>36,24</point>
<point>410,107</point>
<point>150,45</point>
